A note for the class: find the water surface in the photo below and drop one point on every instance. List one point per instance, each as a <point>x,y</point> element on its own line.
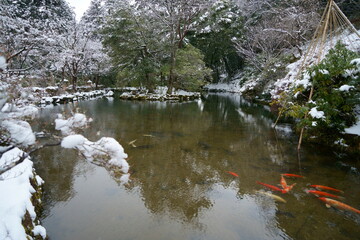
<point>179,186</point>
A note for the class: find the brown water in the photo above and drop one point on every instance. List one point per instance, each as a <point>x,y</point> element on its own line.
<point>179,186</point>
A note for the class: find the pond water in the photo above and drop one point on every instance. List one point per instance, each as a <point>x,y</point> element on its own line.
<point>179,186</point>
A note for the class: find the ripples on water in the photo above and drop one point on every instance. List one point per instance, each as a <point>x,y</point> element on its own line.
<point>179,186</point>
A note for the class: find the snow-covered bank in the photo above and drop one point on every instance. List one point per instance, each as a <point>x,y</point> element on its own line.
<point>352,42</point>
<point>64,98</point>
<point>240,83</point>
<point>160,94</point>
<point>20,190</point>
<point>355,129</point>
<point>20,187</point>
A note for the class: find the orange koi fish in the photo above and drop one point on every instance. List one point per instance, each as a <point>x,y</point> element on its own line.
<point>232,173</point>
<point>320,193</point>
<point>288,188</point>
<point>271,187</point>
<point>283,182</point>
<point>327,188</point>
<point>292,175</point>
<point>336,204</point>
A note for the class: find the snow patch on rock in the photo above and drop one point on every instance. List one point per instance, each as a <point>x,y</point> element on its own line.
<point>68,126</point>
<point>20,132</point>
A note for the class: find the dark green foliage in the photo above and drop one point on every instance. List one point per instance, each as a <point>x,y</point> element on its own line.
<point>43,14</point>
<point>190,69</point>
<point>132,49</point>
<point>215,39</point>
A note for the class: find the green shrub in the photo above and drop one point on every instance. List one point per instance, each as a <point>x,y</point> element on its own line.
<point>190,69</point>
<point>335,81</point>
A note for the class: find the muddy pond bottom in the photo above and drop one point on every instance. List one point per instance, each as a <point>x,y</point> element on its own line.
<point>180,187</point>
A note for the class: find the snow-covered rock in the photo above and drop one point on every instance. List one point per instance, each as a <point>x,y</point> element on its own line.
<point>109,94</point>
<point>12,111</point>
<point>68,126</point>
<point>20,132</point>
<point>160,94</point>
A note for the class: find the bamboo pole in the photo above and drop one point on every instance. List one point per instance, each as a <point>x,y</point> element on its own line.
<point>324,33</point>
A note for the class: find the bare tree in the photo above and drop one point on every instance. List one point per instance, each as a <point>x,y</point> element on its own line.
<point>272,28</point>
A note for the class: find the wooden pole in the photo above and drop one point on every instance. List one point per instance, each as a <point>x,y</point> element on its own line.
<point>322,44</point>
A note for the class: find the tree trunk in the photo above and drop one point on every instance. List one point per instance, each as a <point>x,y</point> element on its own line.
<point>149,84</point>
<point>74,82</point>
<point>96,80</point>
<point>162,78</point>
<point>74,75</point>
<point>171,72</point>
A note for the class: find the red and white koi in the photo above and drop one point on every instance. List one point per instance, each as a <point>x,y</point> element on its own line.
<point>336,204</point>
<point>283,182</point>
<point>288,188</point>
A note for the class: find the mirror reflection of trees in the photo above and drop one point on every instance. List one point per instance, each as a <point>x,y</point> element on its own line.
<point>181,150</point>
<point>186,151</point>
<point>58,171</point>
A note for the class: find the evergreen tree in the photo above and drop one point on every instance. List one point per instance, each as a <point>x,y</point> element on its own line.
<point>223,22</point>
<point>30,30</point>
<point>133,46</point>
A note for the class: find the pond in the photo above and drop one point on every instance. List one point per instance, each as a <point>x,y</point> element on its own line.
<point>179,186</point>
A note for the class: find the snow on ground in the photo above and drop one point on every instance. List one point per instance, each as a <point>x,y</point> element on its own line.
<point>355,129</point>
<point>107,151</point>
<point>47,99</point>
<point>239,84</point>
<point>233,86</point>
<point>12,111</point>
<point>68,126</point>
<point>20,132</point>
<point>16,192</point>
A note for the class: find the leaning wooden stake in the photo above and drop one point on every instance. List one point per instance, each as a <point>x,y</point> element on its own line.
<point>322,44</point>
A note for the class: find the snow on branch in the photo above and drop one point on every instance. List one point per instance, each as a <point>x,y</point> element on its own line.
<point>106,152</point>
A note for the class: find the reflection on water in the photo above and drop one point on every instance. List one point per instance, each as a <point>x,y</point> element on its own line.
<point>179,186</point>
